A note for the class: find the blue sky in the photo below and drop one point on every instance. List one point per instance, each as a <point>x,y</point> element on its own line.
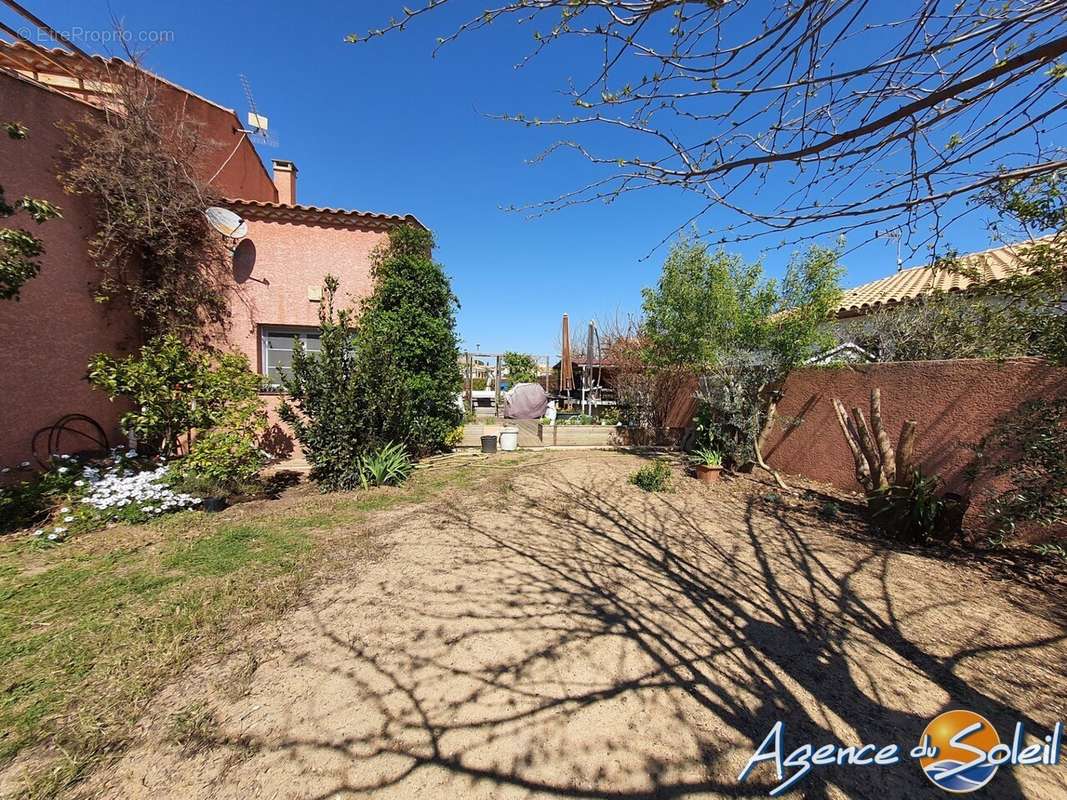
<point>384,126</point>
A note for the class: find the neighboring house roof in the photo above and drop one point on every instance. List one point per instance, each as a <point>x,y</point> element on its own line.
<point>990,265</point>
<point>257,209</point>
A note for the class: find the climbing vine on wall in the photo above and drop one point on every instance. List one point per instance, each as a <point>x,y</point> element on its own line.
<point>153,248</point>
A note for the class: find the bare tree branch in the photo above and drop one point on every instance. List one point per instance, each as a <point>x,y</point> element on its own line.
<point>800,118</point>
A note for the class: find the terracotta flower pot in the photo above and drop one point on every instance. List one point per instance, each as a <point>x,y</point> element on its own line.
<point>707,474</point>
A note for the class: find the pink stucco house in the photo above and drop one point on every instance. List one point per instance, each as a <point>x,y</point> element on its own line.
<point>47,337</point>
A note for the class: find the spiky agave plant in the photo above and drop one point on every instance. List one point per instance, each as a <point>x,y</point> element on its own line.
<point>389,465</point>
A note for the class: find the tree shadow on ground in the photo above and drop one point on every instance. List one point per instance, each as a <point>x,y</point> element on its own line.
<point>591,641</point>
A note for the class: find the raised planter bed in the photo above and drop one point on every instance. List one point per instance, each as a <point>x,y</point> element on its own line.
<point>472,434</point>
<point>532,435</point>
<point>579,435</point>
<point>528,433</point>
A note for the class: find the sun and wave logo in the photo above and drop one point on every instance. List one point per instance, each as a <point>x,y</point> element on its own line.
<point>959,752</point>
<point>960,743</point>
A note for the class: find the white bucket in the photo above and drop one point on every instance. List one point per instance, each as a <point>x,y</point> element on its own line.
<point>509,438</point>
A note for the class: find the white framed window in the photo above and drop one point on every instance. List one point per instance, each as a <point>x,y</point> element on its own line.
<point>276,345</point>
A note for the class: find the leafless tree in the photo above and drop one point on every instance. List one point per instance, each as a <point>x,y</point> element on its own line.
<point>804,118</point>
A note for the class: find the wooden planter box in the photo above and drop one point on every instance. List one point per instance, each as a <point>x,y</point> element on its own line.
<point>472,434</point>
<point>579,435</point>
<point>531,434</point>
<point>528,433</point>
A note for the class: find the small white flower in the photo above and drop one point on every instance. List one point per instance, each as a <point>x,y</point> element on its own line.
<point>38,532</point>
<point>59,530</point>
<point>64,510</point>
<point>62,470</point>
<point>68,518</point>
<point>24,465</point>
<point>52,537</point>
<point>79,483</point>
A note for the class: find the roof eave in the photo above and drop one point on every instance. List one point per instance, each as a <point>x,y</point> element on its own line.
<point>337,216</point>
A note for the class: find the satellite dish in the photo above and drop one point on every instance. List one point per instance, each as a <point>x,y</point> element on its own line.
<point>226,222</point>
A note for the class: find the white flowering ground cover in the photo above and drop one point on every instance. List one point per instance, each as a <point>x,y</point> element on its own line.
<point>122,488</point>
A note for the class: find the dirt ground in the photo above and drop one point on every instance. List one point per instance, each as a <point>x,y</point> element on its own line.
<point>567,635</point>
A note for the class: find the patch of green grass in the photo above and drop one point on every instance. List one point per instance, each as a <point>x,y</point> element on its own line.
<point>275,545</point>
<point>91,629</point>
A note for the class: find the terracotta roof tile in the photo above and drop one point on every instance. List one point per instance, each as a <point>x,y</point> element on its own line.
<point>991,266</point>
<point>282,211</point>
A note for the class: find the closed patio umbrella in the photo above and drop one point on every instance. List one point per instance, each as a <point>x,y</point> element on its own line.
<point>566,370</point>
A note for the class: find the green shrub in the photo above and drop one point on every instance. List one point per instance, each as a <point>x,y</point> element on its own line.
<point>175,389</point>
<point>575,419</point>
<point>387,466</point>
<point>911,512</point>
<point>1051,551</point>
<point>74,497</point>
<point>325,399</point>
<point>1029,448</point>
<point>19,249</point>
<point>221,461</point>
<point>610,416</point>
<point>653,477</point>
<point>407,348</point>
<point>830,510</point>
<point>454,437</point>
<point>31,501</point>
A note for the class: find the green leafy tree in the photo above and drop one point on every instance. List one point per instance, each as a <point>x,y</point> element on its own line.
<point>19,249</point>
<point>1032,214</point>
<point>522,368</point>
<point>175,389</point>
<point>408,348</point>
<point>741,334</point>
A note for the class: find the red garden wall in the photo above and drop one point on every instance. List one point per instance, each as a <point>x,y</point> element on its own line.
<point>48,336</point>
<point>955,404</point>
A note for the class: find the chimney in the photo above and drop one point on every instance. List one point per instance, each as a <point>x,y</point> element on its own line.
<point>285,181</point>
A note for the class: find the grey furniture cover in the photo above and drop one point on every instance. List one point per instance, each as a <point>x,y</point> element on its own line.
<point>525,401</point>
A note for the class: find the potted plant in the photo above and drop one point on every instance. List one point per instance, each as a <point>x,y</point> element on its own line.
<point>708,464</point>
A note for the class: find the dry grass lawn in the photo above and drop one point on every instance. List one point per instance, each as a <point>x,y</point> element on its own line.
<point>559,633</point>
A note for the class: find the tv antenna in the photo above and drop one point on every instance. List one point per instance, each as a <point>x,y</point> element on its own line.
<point>258,125</point>
<point>895,235</point>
